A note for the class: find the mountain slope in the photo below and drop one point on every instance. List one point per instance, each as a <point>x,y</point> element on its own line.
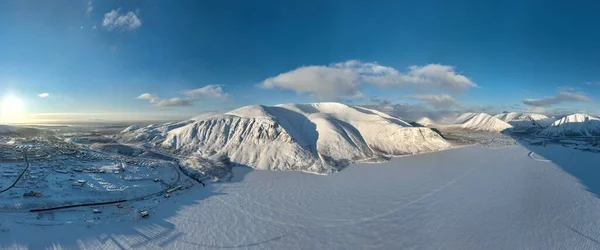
<point>481,122</point>
<point>319,137</point>
<point>426,122</point>
<point>507,117</point>
<point>574,125</point>
<point>522,120</point>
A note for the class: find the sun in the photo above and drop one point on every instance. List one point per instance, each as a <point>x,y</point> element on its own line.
<point>13,110</point>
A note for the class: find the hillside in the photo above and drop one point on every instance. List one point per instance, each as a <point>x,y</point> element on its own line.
<point>319,137</point>
<point>481,122</point>
<point>507,116</point>
<point>426,122</point>
<point>525,120</point>
<point>574,125</point>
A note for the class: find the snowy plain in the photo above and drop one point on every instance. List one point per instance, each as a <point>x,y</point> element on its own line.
<point>466,198</point>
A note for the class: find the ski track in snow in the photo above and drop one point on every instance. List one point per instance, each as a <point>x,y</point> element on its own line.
<point>531,155</point>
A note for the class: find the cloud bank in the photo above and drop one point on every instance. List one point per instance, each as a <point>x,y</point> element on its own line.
<point>561,97</point>
<point>206,93</point>
<point>44,95</point>
<point>437,101</point>
<point>344,79</point>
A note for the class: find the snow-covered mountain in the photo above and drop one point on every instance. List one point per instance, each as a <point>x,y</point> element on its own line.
<point>426,122</point>
<point>319,137</point>
<point>525,120</point>
<point>150,135</point>
<point>508,116</point>
<point>481,122</point>
<point>574,125</point>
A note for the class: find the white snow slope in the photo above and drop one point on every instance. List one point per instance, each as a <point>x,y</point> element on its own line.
<point>574,125</point>
<point>466,198</point>
<point>481,122</point>
<point>318,138</point>
<point>425,121</point>
<point>152,134</point>
<point>527,120</point>
<point>507,117</point>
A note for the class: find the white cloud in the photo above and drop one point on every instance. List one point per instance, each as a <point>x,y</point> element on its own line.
<point>147,96</point>
<point>439,76</point>
<point>208,91</point>
<point>319,81</point>
<point>430,75</point>
<point>114,20</point>
<point>438,101</point>
<point>563,96</point>
<point>343,79</point>
<point>44,95</point>
<point>174,102</point>
<point>90,7</point>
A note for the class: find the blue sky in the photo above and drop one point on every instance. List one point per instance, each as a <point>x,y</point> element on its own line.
<point>96,57</point>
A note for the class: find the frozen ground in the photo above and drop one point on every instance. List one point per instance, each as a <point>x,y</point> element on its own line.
<point>467,198</point>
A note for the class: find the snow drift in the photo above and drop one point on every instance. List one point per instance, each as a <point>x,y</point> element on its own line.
<point>481,122</point>
<point>574,125</point>
<point>319,137</point>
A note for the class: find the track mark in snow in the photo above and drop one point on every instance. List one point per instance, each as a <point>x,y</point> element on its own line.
<point>407,204</point>
<point>239,197</point>
<point>257,216</point>
<point>581,234</point>
<point>357,221</point>
<point>238,246</point>
<point>537,159</point>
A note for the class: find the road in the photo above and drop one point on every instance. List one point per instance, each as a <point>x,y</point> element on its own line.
<point>21,175</point>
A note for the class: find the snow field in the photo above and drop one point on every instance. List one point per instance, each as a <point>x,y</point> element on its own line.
<point>467,198</point>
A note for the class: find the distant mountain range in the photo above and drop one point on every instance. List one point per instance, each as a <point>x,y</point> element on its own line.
<point>325,137</point>
<point>571,125</point>
<point>574,125</point>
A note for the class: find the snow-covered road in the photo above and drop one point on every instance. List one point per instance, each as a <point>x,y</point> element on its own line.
<point>467,198</point>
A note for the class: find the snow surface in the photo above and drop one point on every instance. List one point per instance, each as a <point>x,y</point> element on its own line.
<point>481,122</point>
<point>467,198</point>
<point>317,138</point>
<point>574,125</point>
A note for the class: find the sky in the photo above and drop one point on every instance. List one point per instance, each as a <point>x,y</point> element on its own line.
<point>170,59</point>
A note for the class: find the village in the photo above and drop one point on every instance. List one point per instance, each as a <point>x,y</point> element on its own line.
<point>55,181</point>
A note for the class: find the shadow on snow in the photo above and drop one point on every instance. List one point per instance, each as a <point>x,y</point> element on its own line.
<point>155,231</point>
<point>573,155</point>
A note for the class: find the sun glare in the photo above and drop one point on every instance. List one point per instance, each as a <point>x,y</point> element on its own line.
<point>13,110</point>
